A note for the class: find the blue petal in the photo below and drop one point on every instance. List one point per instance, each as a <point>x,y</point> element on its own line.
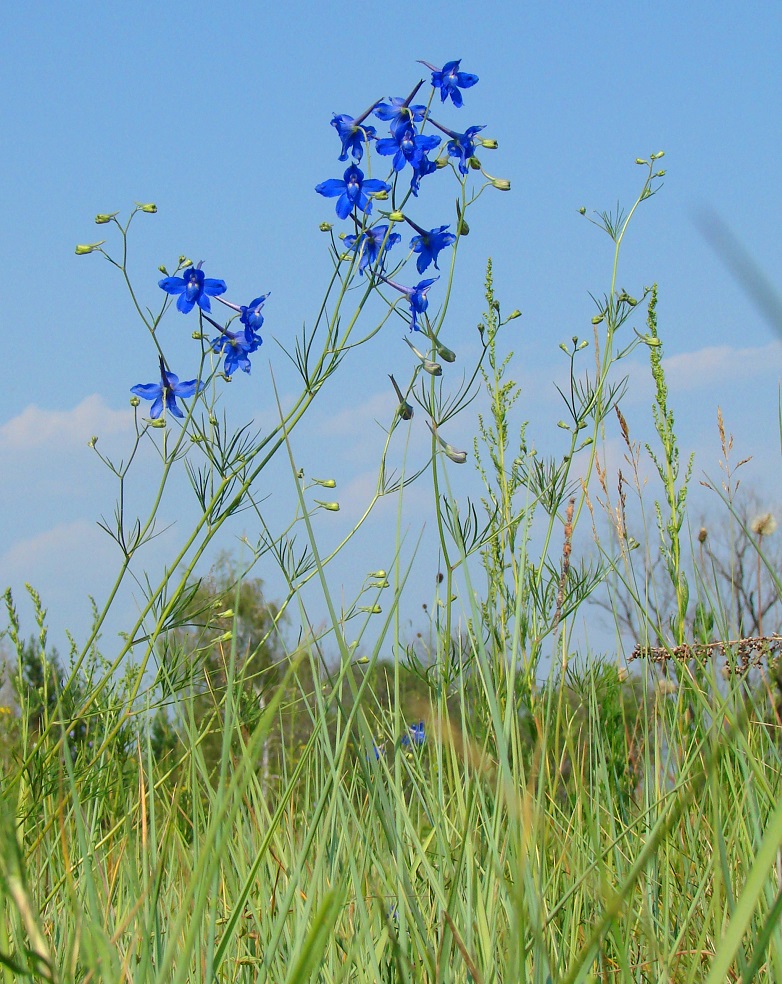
<point>331,188</point>
<point>147,391</point>
<point>157,407</point>
<point>185,304</point>
<point>344,205</point>
<point>466,79</point>
<point>172,285</point>
<point>387,146</point>
<point>204,303</point>
<point>214,287</point>
<point>375,184</point>
<point>186,389</point>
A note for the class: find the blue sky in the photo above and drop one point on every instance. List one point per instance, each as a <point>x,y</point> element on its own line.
<point>221,118</point>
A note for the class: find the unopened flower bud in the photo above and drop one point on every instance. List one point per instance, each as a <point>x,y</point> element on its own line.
<point>103,217</point>
<point>474,163</point>
<point>326,226</point>
<point>464,229</point>
<point>702,534</point>
<point>501,184</point>
<point>441,162</point>
<point>134,401</point>
<point>489,144</point>
<point>83,248</point>
<point>212,420</point>
<point>582,211</point>
<point>159,423</point>
<point>163,270</point>
<point>330,506</point>
<point>597,319</point>
<point>371,609</point>
<point>563,425</point>
<point>147,207</point>
<point>660,173</point>
<point>380,196</point>
<point>377,574</point>
<point>432,368</point>
<point>514,314</point>
<point>363,659</point>
<point>397,216</point>
<point>327,483</point>
<point>92,441</point>
<point>658,155</point>
<point>640,160</point>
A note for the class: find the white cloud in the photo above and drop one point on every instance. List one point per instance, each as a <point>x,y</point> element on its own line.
<point>36,427</point>
<point>61,548</point>
<point>713,366</point>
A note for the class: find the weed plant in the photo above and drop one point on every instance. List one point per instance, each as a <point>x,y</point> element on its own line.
<point>223,799</point>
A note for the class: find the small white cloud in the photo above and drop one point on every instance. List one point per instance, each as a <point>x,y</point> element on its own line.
<point>63,547</point>
<point>36,427</point>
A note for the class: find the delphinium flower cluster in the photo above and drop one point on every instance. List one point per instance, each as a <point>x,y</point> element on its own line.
<point>413,137</point>
<point>409,145</point>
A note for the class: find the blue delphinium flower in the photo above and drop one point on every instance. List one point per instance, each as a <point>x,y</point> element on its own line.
<point>352,134</point>
<point>416,297</point>
<point>407,146</point>
<point>461,145</point>
<point>352,191</point>
<point>449,80</point>
<point>164,393</point>
<point>416,734</point>
<point>429,244</point>
<point>397,112</point>
<point>237,346</point>
<point>193,288</point>
<point>372,245</point>
<point>251,316</point>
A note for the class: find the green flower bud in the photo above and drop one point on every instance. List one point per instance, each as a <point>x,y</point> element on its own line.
<point>489,144</point>
<point>83,248</point>
<point>159,423</point>
<point>640,160</point>
<point>198,336</point>
<point>326,226</point>
<point>441,162</point>
<point>163,270</point>
<point>563,425</point>
<point>134,401</point>
<point>514,314</point>
<point>597,319</point>
<point>380,196</point>
<point>147,207</point>
<point>363,659</point>
<point>370,609</point>
<point>212,420</point>
<point>378,574</point>
<point>432,368</point>
<point>330,506</point>
<point>582,211</point>
<point>660,173</point>
<point>475,164</point>
<point>463,229</point>
<point>103,217</point>
<point>92,441</point>
<point>342,235</point>
<point>658,155</point>
<point>397,216</point>
<point>501,184</point>
<point>327,483</point>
